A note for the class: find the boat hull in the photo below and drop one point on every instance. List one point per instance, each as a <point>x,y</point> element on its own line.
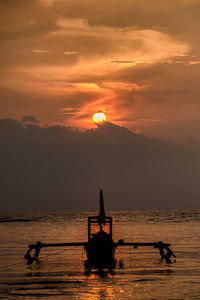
<point>100,253</point>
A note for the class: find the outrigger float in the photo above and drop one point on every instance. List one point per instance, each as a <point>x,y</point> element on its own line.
<point>100,247</point>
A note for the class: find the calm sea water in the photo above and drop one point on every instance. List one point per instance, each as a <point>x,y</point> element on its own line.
<point>139,273</point>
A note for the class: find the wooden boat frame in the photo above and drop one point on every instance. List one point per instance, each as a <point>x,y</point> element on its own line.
<point>100,247</point>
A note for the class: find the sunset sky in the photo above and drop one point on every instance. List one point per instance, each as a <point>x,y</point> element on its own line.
<point>138,61</point>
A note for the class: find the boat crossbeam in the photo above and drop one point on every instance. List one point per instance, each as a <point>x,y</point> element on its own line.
<point>39,245</point>
<point>136,245</point>
<point>42,245</point>
<point>165,251</point>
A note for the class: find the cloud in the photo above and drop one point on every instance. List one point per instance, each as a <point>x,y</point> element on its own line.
<point>123,44</point>
<point>87,73</point>
<point>193,62</point>
<point>30,119</point>
<point>130,62</point>
<point>39,51</point>
<point>139,62</point>
<point>47,2</point>
<point>56,167</point>
<point>70,52</point>
<point>65,24</point>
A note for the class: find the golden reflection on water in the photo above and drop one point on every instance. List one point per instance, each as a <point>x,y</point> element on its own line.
<point>98,288</point>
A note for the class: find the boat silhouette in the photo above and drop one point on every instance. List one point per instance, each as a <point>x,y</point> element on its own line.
<point>100,247</point>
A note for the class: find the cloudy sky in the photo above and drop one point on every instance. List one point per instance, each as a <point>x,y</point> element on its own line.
<point>138,61</point>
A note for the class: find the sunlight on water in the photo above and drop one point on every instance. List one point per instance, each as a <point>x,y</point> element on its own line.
<point>139,273</point>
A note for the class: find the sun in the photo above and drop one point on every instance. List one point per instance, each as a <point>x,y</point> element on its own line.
<point>99,117</point>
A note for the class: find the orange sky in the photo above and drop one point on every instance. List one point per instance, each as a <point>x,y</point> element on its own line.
<point>137,61</point>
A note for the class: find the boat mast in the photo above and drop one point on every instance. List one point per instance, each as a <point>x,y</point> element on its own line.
<point>101,217</point>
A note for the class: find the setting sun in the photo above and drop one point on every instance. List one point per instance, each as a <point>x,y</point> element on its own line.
<point>99,117</point>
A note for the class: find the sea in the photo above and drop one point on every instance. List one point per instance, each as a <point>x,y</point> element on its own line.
<point>139,273</point>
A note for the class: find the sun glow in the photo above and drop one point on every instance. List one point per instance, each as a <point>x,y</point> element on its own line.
<point>99,117</point>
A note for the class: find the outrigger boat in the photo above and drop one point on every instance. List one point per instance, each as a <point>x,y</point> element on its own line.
<point>100,247</point>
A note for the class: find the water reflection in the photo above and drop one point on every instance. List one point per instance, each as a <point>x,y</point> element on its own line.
<point>100,292</point>
<point>100,285</point>
<point>99,273</point>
